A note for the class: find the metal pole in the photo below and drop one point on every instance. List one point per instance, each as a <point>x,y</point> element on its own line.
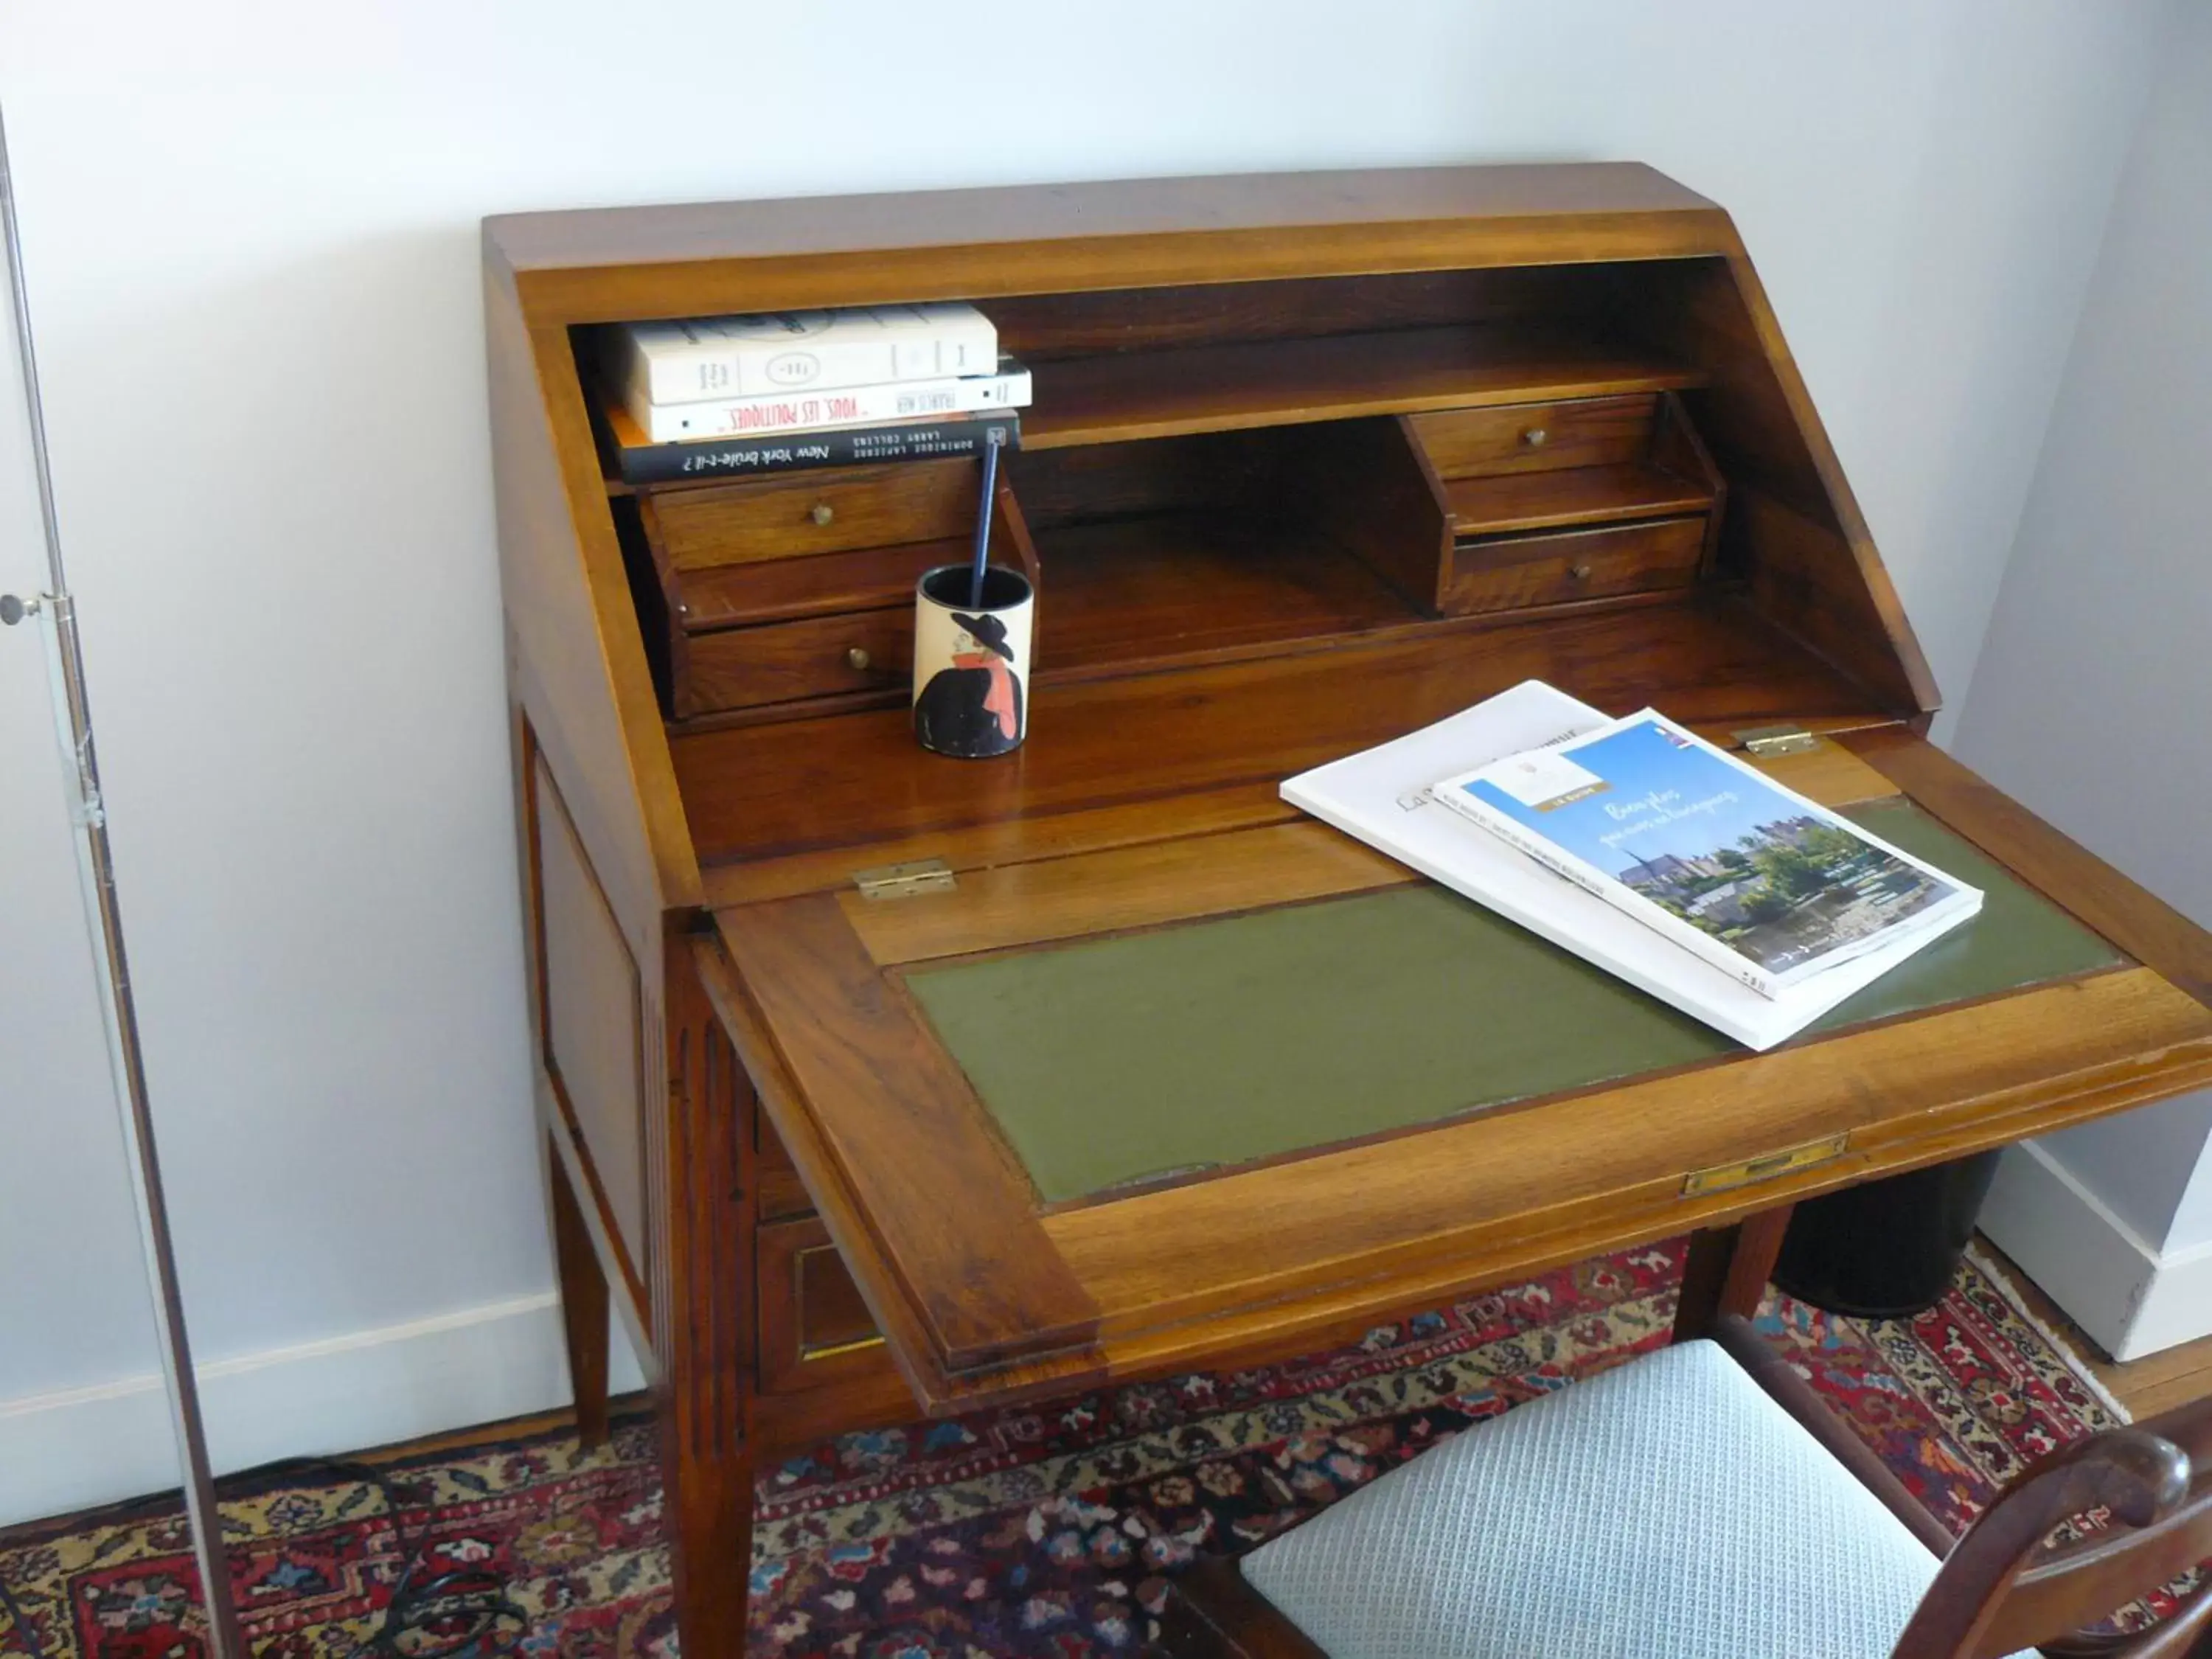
<point>104,918</point>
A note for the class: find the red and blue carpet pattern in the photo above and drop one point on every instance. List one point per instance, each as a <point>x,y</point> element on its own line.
<point>1026,1532</point>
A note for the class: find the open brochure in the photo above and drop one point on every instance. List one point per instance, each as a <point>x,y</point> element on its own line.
<point>1381,796</point>
<point>1765,885</point>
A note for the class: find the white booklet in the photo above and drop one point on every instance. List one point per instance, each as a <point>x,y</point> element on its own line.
<point>1381,796</point>
<point>685,359</point>
<point>1766,885</point>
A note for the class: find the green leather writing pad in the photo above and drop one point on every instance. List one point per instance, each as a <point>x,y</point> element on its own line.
<point>1218,1042</point>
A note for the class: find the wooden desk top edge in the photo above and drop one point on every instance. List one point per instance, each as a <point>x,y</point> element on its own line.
<point>599,264</point>
<point>779,227</point>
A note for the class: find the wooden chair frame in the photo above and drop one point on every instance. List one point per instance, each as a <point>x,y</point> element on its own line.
<point>2004,1587</point>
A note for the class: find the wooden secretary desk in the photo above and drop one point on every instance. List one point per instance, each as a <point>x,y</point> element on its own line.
<point>1125,1082</point>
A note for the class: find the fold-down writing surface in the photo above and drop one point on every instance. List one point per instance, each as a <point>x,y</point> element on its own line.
<point>1225,1042</point>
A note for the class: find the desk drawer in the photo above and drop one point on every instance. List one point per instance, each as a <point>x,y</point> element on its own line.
<point>815,1330</point>
<point>1475,443</point>
<point>1509,572</point>
<point>777,662</point>
<point>826,511</point>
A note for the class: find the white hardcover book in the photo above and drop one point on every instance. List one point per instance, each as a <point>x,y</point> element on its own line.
<point>1761,882</point>
<point>690,358</point>
<point>1381,796</point>
<point>826,411</point>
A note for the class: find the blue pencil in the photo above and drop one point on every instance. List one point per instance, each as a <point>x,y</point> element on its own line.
<point>983,517</point>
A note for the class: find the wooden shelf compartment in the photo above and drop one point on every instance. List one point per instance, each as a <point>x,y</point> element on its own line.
<point>1168,553</point>
<point>1214,388</point>
<point>1151,361</point>
<point>1184,549</point>
<point>790,598</point>
<point>1150,592</point>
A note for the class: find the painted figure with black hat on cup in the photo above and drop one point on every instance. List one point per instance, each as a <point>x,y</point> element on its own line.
<point>971,661</point>
<point>974,706</point>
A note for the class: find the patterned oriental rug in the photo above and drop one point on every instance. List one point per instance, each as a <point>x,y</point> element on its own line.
<point>1045,1532</point>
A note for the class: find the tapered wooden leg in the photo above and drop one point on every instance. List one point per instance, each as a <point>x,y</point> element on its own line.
<point>704,1333</point>
<point>583,1306</point>
<point>708,1503</point>
<point>1726,1272</point>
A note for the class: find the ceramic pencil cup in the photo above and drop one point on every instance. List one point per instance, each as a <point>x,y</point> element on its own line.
<point>971,662</point>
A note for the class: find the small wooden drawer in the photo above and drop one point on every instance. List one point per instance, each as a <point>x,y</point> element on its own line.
<point>815,1330</point>
<point>1477,443</point>
<point>779,662</point>
<point>1511,572</point>
<point>821,511</point>
<point>821,585</point>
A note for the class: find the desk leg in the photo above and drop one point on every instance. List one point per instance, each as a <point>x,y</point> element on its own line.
<point>1727,1271</point>
<point>584,1307</point>
<point>703,1323</point>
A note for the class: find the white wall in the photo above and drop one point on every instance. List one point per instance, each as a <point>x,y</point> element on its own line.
<point>251,234</point>
<point>72,1301</point>
<point>2091,700</point>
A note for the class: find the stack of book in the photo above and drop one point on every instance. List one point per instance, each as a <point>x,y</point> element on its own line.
<point>776,391</point>
<point>1645,850</point>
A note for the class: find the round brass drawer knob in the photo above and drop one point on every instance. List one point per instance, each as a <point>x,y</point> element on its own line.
<point>858,659</point>
<point>1535,437</point>
<point>1581,573</point>
<point>822,512</point>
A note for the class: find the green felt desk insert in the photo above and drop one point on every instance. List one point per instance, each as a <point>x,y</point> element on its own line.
<point>1221,1041</point>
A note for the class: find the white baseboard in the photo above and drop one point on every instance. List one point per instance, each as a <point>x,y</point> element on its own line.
<point>2121,1291</point>
<point>83,1447</point>
<point>2177,1304</point>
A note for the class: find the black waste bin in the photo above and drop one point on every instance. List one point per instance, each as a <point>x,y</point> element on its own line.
<point>1887,1249</point>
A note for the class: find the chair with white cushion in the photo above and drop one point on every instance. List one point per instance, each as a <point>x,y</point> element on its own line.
<point>1699,1503</point>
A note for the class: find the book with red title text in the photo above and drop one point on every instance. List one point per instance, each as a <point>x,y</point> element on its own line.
<point>822,410</point>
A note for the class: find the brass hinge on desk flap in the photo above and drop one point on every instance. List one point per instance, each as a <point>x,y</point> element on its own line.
<point>1766,742</point>
<point>1722,1176</point>
<point>892,881</point>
